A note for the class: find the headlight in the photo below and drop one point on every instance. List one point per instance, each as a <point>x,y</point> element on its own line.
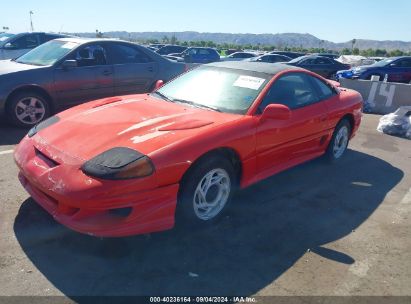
<point>44,124</point>
<point>119,163</point>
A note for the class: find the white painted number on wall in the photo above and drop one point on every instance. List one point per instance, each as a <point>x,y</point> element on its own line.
<point>385,90</point>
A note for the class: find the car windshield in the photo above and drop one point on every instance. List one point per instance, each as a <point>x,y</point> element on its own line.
<point>383,63</point>
<point>222,89</point>
<point>4,37</point>
<point>298,59</point>
<point>47,53</point>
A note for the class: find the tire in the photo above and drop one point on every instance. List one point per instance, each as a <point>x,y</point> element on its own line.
<point>339,141</point>
<point>191,209</point>
<point>28,108</point>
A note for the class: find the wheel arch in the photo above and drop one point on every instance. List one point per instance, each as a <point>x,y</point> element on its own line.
<point>227,152</point>
<point>32,88</point>
<point>350,118</point>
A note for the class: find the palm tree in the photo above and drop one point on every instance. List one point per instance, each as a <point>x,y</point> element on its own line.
<point>353,42</point>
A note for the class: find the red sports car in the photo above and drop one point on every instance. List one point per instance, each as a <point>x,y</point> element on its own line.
<point>133,164</point>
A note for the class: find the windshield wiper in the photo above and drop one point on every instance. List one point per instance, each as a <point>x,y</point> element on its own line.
<point>162,96</point>
<point>28,63</point>
<point>199,105</point>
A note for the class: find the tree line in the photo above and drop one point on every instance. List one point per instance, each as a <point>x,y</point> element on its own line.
<point>267,48</point>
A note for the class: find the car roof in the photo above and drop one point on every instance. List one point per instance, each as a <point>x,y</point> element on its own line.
<point>26,33</point>
<point>201,47</point>
<point>259,67</point>
<point>81,40</point>
<point>398,57</point>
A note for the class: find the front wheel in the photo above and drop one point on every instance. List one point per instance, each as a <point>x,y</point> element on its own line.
<point>339,141</point>
<point>26,109</point>
<point>206,191</point>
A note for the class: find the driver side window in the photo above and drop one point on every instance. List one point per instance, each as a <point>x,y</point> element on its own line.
<point>293,90</point>
<point>90,55</point>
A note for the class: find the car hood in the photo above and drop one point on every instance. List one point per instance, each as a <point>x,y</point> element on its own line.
<point>9,66</point>
<point>140,122</point>
<point>364,68</point>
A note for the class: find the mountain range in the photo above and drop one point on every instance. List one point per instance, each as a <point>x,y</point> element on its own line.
<point>278,40</point>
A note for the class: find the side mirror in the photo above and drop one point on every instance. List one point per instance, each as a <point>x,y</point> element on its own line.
<point>69,64</point>
<point>276,111</point>
<point>159,84</point>
<point>9,46</point>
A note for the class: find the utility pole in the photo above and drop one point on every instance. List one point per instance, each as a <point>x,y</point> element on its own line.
<point>31,21</point>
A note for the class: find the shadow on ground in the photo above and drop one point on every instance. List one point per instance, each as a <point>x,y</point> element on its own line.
<point>269,227</point>
<point>10,135</point>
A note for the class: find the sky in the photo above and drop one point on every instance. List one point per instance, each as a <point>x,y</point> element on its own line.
<point>336,21</point>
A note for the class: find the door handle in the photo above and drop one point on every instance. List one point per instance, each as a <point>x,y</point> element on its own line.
<point>150,69</point>
<point>106,73</point>
<point>323,118</point>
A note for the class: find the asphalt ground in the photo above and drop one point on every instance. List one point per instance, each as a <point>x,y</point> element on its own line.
<point>314,230</point>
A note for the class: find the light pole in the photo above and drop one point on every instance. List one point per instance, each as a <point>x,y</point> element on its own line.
<point>31,21</point>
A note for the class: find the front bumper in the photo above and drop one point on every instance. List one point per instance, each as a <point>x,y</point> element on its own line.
<point>90,206</point>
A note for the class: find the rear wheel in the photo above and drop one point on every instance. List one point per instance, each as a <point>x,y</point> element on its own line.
<point>27,109</point>
<point>206,191</point>
<point>339,141</point>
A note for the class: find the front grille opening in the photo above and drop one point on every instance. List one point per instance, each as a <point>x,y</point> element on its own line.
<point>121,212</point>
<point>50,162</point>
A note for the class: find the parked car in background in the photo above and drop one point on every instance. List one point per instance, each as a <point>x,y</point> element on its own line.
<point>323,66</point>
<point>68,71</point>
<point>174,57</point>
<point>15,45</point>
<point>270,58</point>
<point>178,154</point>
<point>199,55</point>
<point>238,56</point>
<point>155,46</point>
<point>169,49</point>
<point>288,54</point>
<point>397,69</point>
<point>232,51</point>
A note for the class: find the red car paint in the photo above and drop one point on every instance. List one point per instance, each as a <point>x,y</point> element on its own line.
<point>173,136</point>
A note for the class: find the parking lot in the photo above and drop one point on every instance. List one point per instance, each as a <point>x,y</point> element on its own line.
<point>312,230</point>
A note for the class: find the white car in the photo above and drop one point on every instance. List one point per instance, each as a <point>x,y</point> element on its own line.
<point>238,56</point>
<point>15,45</point>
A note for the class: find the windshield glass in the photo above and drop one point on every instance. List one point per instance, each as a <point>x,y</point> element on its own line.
<point>47,53</point>
<point>383,63</point>
<point>222,89</point>
<point>4,37</point>
<point>298,59</point>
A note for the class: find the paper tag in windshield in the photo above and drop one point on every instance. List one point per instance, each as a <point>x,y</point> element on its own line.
<point>69,45</point>
<point>249,82</point>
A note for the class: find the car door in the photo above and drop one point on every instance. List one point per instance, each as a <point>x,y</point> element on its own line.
<point>282,143</point>
<point>204,56</point>
<point>400,71</point>
<point>324,67</point>
<point>91,79</point>
<point>134,70</point>
<point>21,45</point>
